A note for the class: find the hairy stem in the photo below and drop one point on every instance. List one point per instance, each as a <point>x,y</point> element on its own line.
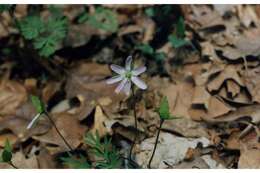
<point>135,117</point>
<point>11,163</point>
<point>156,142</point>
<point>59,133</point>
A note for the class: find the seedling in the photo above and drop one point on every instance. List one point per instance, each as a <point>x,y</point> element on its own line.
<point>106,153</point>
<point>7,155</point>
<point>178,39</point>
<point>164,113</point>
<point>41,110</point>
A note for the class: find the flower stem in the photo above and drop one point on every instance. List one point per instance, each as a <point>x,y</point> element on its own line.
<point>59,133</point>
<point>135,117</point>
<point>156,142</point>
<point>11,163</point>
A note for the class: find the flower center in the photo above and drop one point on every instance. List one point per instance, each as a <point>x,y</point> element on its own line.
<point>128,74</point>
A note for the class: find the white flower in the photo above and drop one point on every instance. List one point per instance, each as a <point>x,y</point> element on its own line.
<point>127,75</point>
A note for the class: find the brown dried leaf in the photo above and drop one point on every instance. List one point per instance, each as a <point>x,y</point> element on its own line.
<point>69,127</point>
<point>12,95</point>
<point>201,96</point>
<point>217,107</point>
<point>230,72</point>
<point>232,88</point>
<point>101,123</point>
<point>252,82</point>
<point>249,159</point>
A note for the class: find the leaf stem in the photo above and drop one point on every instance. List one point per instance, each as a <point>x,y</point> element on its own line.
<point>135,117</point>
<point>156,142</point>
<point>59,133</point>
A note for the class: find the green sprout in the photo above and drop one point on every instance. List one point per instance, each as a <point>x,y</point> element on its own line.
<point>76,163</point>
<point>178,39</point>
<point>106,153</point>
<point>164,113</point>
<point>7,155</point>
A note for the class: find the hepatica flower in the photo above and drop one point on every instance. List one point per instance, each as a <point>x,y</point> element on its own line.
<point>126,76</point>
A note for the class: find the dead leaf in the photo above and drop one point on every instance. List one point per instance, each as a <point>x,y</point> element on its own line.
<point>217,107</point>
<point>230,72</point>
<point>252,82</point>
<point>170,149</point>
<point>247,15</point>
<point>3,137</point>
<point>22,162</point>
<point>249,159</point>
<point>73,135</point>
<point>232,88</point>
<point>12,95</point>
<point>101,123</point>
<point>201,96</point>
<point>87,82</point>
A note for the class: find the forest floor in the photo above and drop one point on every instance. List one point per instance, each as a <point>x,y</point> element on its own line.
<point>203,58</point>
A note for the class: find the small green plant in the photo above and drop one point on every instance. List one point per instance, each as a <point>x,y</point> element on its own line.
<point>7,155</point>
<point>103,19</point>
<point>5,7</point>
<point>41,110</point>
<point>76,163</point>
<point>164,113</point>
<point>45,35</point>
<point>106,154</point>
<point>178,39</point>
<point>148,50</point>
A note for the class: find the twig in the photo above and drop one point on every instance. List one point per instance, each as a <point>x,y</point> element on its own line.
<point>135,117</point>
<point>11,163</point>
<point>156,142</point>
<point>59,133</point>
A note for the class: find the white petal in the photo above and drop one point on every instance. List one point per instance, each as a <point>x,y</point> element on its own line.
<point>138,82</point>
<point>120,86</point>
<point>128,63</point>
<point>138,71</point>
<point>127,87</point>
<point>33,121</point>
<point>118,69</point>
<point>114,79</point>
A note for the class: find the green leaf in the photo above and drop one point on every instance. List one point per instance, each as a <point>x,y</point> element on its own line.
<point>150,12</point>
<point>159,56</point>
<point>164,111</point>
<point>8,146</point>
<point>106,154</point>
<point>177,42</point>
<point>55,31</point>
<point>6,156</point>
<point>83,17</point>
<point>55,11</point>
<point>31,27</point>
<point>146,49</point>
<point>38,104</point>
<point>7,153</point>
<point>47,35</point>
<point>76,163</point>
<point>180,28</point>
<point>5,7</point>
<point>104,19</point>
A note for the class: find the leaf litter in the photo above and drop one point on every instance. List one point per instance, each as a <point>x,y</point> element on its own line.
<point>214,88</point>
